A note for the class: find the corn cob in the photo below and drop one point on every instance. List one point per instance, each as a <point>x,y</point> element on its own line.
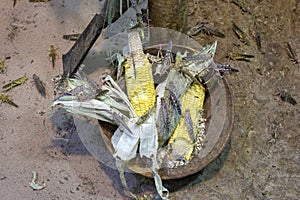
<point>184,136</point>
<point>138,76</point>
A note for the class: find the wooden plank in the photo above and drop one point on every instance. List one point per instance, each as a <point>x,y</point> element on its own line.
<point>77,53</point>
<point>79,50</point>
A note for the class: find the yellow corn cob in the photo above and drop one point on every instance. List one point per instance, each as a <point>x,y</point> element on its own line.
<point>138,76</point>
<point>181,142</point>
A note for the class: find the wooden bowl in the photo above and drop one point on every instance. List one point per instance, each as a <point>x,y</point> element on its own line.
<point>219,112</point>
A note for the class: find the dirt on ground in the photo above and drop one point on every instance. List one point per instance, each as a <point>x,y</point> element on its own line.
<point>261,161</point>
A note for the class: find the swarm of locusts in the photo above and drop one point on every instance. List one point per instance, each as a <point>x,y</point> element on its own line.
<point>161,121</point>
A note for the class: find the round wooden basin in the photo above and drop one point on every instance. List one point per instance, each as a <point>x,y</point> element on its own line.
<point>219,112</point>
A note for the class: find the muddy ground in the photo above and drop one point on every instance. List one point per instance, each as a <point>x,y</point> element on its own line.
<point>260,162</point>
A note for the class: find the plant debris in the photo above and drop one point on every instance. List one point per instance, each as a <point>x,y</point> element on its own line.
<point>34,185</point>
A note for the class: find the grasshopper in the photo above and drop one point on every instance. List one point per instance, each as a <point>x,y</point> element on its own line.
<point>241,5</point>
<point>196,29</point>
<point>71,37</point>
<point>285,96</point>
<point>175,102</point>
<point>15,2</point>
<point>205,28</point>
<point>101,93</point>
<point>5,99</point>
<point>168,56</point>
<point>258,40</point>
<point>189,124</point>
<point>292,54</point>
<point>164,113</point>
<point>3,69</point>
<point>240,34</point>
<point>225,68</point>
<point>39,85</point>
<point>173,98</point>
<point>53,55</point>
<point>14,83</point>
<point>240,57</point>
<point>145,117</point>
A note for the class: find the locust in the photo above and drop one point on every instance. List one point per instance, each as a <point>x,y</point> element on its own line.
<point>3,69</point>
<point>101,93</point>
<point>14,83</point>
<point>146,116</point>
<point>292,54</point>
<point>4,98</point>
<point>188,74</point>
<point>258,40</point>
<point>285,96</point>
<point>205,28</point>
<point>189,124</point>
<point>196,29</point>
<point>53,55</point>
<point>240,4</point>
<point>240,57</point>
<point>240,34</point>
<point>165,116</point>
<point>196,64</point>
<point>175,102</point>
<point>225,68</point>
<point>72,37</point>
<point>168,56</point>
<point>39,85</point>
